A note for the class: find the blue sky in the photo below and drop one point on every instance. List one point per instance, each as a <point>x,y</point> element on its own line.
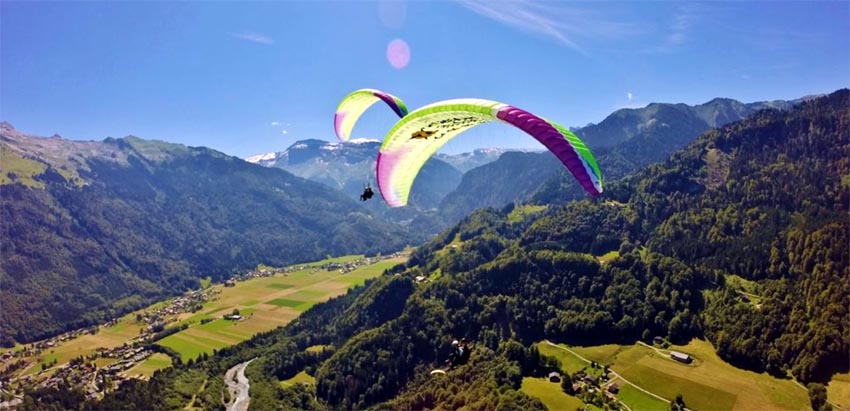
<point>247,78</point>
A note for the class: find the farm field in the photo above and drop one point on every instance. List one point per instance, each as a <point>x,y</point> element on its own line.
<point>146,368</point>
<point>838,390</point>
<point>106,337</point>
<point>638,400</point>
<point>264,303</point>
<point>550,394</point>
<point>708,383</point>
<point>251,297</point>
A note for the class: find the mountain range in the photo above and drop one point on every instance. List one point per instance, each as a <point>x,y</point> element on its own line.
<point>349,166</point>
<point>118,194</point>
<point>94,229</point>
<point>627,140</point>
<point>755,208</point>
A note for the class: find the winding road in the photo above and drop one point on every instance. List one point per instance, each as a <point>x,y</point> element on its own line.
<point>237,384</point>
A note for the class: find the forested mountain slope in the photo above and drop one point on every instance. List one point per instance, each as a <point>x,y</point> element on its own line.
<point>94,229</point>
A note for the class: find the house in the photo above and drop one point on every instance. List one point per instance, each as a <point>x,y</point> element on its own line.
<point>681,357</point>
<point>554,376</point>
<point>590,379</point>
<point>658,340</point>
<point>235,317</point>
<point>613,388</point>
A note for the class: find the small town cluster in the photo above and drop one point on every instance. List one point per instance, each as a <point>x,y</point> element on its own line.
<point>107,368</point>
<point>84,371</point>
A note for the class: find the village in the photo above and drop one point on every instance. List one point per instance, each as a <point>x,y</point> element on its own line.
<point>106,368</point>
<point>83,371</point>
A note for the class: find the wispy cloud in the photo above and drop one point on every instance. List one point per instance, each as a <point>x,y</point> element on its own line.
<point>680,26</point>
<point>630,96</point>
<point>564,23</point>
<point>254,37</point>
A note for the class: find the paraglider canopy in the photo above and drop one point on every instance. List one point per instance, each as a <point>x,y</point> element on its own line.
<point>419,134</point>
<point>356,103</point>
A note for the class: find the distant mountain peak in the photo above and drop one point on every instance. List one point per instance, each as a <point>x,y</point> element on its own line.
<point>259,158</point>
<point>7,126</point>
<point>362,141</point>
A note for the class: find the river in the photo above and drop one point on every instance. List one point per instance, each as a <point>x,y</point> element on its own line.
<point>239,398</point>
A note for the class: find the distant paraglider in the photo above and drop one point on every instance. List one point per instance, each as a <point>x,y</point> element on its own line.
<point>419,134</point>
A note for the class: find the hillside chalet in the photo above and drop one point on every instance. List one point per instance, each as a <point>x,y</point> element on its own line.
<point>681,357</point>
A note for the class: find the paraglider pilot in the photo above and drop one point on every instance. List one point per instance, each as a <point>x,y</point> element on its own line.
<point>367,193</point>
<point>460,354</point>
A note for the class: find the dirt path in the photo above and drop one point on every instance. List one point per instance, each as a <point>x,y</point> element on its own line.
<point>191,404</point>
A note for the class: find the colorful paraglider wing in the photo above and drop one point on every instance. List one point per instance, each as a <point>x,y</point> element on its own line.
<point>356,103</point>
<point>405,150</point>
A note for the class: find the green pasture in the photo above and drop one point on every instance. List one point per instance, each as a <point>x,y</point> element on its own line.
<point>550,394</point>
<point>301,377</point>
<point>708,383</point>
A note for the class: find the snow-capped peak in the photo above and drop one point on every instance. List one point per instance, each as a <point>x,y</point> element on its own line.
<point>261,157</point>
<point>362,141</point>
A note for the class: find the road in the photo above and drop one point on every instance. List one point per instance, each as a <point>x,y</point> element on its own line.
<point>237,384</point>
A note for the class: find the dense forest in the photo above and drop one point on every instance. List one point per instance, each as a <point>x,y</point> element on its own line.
<point>109,227</point>
<point>764,200</point>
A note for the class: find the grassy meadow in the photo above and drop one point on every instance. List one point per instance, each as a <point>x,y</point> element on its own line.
<point>107,337</point>
<point>265,303</point>
<point>301,377</point>
<point>838,390</point>
<point>709,383</point>
<point>550,394</point>
<point>146,368</point>
<point>523,211</point>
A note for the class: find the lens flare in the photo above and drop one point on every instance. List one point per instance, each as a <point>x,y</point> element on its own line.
<point>398,53</point>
